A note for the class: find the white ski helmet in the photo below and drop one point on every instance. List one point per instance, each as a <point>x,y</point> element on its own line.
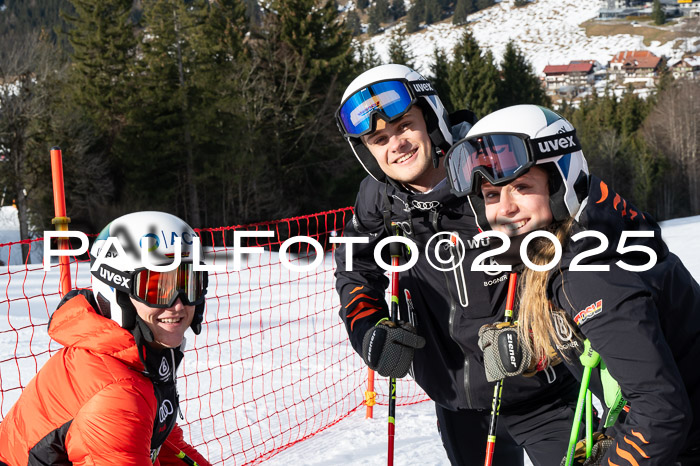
<point>504,145</point>
<point>389,91</point>
<point>118,276</point>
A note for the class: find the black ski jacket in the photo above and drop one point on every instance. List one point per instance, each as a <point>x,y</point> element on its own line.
<point>450,366</point>
<point>644,324</point>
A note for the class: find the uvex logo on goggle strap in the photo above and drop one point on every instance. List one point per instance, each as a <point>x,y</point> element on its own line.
<point>422,88</point>
<point>558,144</point>
<point>113,277</point>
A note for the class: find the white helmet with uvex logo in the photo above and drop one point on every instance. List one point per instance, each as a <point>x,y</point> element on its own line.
<point>387,92</point>
<point>552,135</point>
<point>118,276</point>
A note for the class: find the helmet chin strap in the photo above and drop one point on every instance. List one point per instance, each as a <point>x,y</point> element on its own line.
<point>131,320</point>
<point>437,153</point>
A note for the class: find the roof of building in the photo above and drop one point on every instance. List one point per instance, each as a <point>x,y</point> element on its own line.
<point>572,67</point>
<point>636,59</point>
<point>692,62</point>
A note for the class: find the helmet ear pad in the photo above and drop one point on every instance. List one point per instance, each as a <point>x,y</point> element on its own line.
<point>440,144</point>
<point>198,318</point>
<point>128,310</point>
<point>103,306</point>
<point>557,191</point>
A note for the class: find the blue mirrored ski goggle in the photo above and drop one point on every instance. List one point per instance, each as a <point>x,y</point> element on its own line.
<point>501,158</point>
<point>390,99</point>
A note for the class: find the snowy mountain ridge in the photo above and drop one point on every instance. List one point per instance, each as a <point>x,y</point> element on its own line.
<point>548,32</point>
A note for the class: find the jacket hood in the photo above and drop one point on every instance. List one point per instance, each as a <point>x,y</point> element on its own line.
<point>76,324</point>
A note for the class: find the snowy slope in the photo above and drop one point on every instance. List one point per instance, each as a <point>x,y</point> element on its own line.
<point>546,31</point>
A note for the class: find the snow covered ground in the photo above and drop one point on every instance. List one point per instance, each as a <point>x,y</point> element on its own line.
<point>546,31</point>
<point>353,441</point>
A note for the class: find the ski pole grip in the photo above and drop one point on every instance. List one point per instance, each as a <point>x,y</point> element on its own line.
<point>589,357</point>
<point>395,249</point>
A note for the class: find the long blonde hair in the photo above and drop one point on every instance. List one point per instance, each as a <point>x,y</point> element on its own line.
<point>536,312</point>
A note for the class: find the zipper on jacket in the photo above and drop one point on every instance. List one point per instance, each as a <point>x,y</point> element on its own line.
<point>453,310</point>
<point>466,383</point>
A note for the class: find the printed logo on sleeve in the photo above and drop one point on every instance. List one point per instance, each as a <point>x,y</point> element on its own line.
<point>590,312</point>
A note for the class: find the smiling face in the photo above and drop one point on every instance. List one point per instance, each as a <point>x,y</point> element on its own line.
<point>167,325</point>
<point>402,150</point>
<point>521,206</point>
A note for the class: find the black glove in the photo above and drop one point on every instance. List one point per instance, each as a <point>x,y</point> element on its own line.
<point>388,348</point>
<point>503,354</point>
<point>601,443</point>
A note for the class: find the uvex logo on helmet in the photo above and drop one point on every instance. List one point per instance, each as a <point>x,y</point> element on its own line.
<point>564,143</point>
<point>114,278</point>
<point>422,87</point>
<point>556,144</point>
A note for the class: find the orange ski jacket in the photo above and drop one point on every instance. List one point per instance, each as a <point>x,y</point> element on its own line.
<point>90,404</point>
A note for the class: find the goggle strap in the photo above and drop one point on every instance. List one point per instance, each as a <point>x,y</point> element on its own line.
<point>555,145</point>
<point>422,88</point>
<point>114,278</point>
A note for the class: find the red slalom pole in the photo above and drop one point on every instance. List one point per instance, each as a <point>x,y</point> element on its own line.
<point>60,220</point>
<point>395,251</point>
<point>498,389</point>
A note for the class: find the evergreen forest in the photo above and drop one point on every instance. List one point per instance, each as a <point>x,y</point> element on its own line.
<point>223,111</point>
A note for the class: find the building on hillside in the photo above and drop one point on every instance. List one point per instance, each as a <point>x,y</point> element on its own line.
<point>612,4</point>
<point>572,79</point>
<point>687,67</point>
<point>621,9</point>
<point>690,8</point>
<point>637,67</point>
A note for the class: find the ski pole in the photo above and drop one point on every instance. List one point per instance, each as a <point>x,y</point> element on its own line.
<point>395,251</point>
<point>589,423</point>
<point>181,454</point>
<point>498,389</point>
<point>589,359</point>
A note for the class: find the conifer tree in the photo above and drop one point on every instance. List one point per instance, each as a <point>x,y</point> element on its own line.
<point>103,42</point>
<point>367,57</point>
<point>415,15</point>
<point>399,50</point>
<point>481,4</point>
<point>382,10</point>
<point>657,13</point>
<point>398,9</point>
<point>440,69</point>
<point>519,84</point>
<point>461,11</point>
<point>632,110</point>
<point>373,22</point>
<point>38,17</point>
<point>432,11</point>
<point>301,61</point>
<point>253,13</point>
<point>361,4</point>
<point>181,111</point>
<point>353,23</point>
<point>472,77</point>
